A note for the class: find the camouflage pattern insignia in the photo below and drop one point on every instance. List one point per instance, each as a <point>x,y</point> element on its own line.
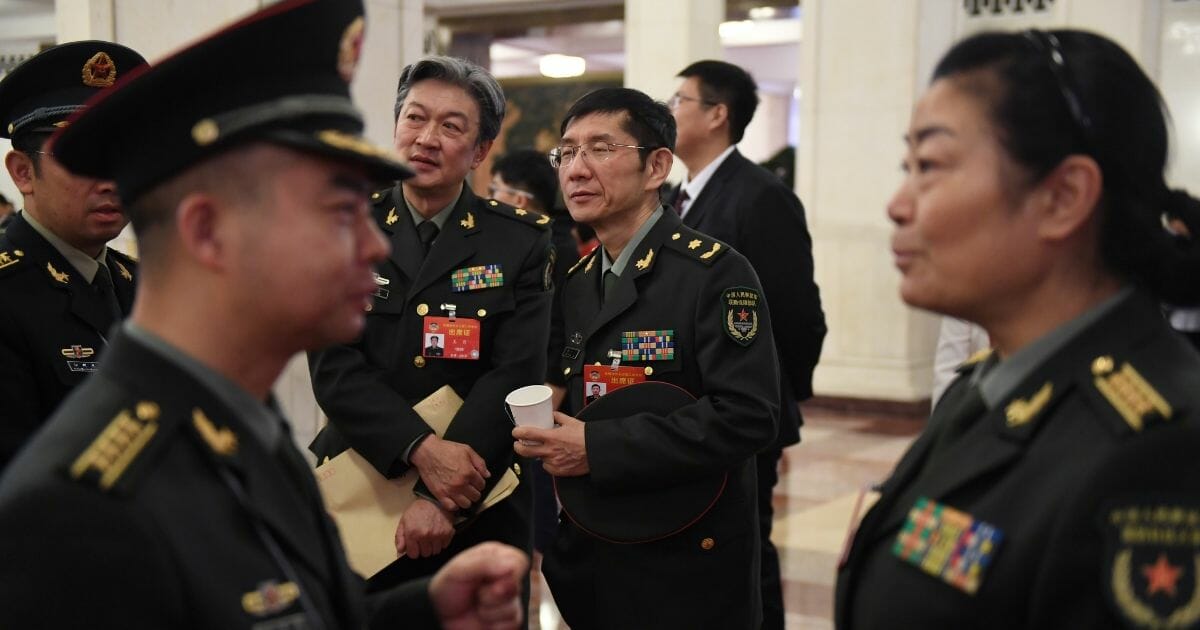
<point>59,276</point>
<point>527,217</point>
<point>99,71</point>
<point>8,260</point>
<point>1022,410</point>
<point>111,453</point>
<point>740,312</point>
<point>222,441</point>
<point>350,49</point>
<point>270,597</point>
<point>123,271</point>
<point>1153,561</point>
<point>548,272</point>
<point>1132,397</point>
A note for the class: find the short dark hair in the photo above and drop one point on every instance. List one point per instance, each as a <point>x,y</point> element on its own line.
<point>649,121</point>
<point>530,171</point>
<point>1118,119</point>
<point>729,85</point>
<point>472,78</point>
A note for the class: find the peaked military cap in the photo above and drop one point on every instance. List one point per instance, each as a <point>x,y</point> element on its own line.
<point>281,75</point>
<point>42,92</point>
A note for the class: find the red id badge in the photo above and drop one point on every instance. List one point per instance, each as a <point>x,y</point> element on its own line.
<point>599,380</point>
<point>445,338</point>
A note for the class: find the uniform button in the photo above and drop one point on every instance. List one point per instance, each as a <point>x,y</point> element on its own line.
<point>707,544</point>
<point>481,312</point>
<point>419,361</point>
<point>566,371</point>
<point>517,468</point>
<point>649,370</point>
<point>370,307</point>
<point>1102,365</point>
<point>422,309</point>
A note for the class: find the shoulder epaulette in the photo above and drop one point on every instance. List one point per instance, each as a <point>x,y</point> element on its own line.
<point>380,194</point>
<point>122,442</point>
<point>1131,396</point>
<point>530,217</point>
<point>11,260</point>
<point>580,263</point>
<point>697,246</point>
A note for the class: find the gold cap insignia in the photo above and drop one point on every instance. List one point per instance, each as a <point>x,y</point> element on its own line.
<point>99,71</point>
<point>222,441</point>
<point>59,276</point>
<point>270,597</point>
<point>1021,411</point>
<point>350,49</point>
<point>468,222</point>
<point>62,123</point>
<point>392,217</point>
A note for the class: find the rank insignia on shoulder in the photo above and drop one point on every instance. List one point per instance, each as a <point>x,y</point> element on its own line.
<point>696,246</point>
<point>111,453</point>
<point>648,345</point>
<point>475,278</point>
<point>740,310</point>
<point>582,259</point>
<point>59,276</point>
<point>270,598</point>
<point>222,441</point>
<point>8,260</point>
<point>947,544</point>
<point>1130,395</point>
<point>1153,556</point>
<point>528,217</point>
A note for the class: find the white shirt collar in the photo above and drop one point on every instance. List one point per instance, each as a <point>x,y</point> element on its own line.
<point>695,186</point>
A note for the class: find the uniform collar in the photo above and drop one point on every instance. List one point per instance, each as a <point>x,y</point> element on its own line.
<point>84,264</point>
<point>438,219</point>
<point>618,266</point>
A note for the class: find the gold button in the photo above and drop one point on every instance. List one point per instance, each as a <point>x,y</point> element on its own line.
<point>566,371</point>
<point>707,544</point>
<point>422,309</point>
<point>374,196</point>
<point>1102,365</point>
<point>370,307</point>
<point>516,468</point>
<point>649,370</point>
<point>481,312</point>
<point>675,236</point>
<point>596,363</point>
<point>419,361</point>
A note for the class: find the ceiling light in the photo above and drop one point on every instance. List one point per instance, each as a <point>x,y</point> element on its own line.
<point>561,66</point>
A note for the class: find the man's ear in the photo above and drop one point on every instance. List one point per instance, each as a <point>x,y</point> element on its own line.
<point>481,151</point>
<point>658,167</point>
<point>197,224</point>
<point>1068,197</point>
<point>20,168</point>
<point>718,116</point>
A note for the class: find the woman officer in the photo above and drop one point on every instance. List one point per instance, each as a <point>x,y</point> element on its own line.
<point>1058,482</point>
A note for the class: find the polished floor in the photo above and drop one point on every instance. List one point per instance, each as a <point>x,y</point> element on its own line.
<point>819,484</point>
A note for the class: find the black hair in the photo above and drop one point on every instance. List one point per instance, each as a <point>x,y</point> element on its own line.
<point>1057,93</point>
<point>728,85</point>
<point>31,143</point>
<point>530,171</point>
<point>649,121</point>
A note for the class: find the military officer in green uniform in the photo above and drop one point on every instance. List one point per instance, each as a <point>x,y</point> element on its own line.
<point>166,491</point>
<point>473,271</point>
<point>1057,483</point>
<point>61,287</point>
<point>657,301</point>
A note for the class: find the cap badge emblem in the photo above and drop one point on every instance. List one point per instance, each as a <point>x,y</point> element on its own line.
<point>99,71</point>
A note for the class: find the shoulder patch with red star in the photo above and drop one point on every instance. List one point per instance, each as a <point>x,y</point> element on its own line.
<point>1153,560</point>
<point>740,313</point>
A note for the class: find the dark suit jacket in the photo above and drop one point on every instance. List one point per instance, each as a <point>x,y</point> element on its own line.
<point>368,388</point>
<point>748,207</point>
<point>52,329</point>
<point>150,502</point>
<point>675,281</point>
<point>1058,478</point>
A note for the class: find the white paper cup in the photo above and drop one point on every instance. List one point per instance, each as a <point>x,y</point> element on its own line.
<point>531,406</point>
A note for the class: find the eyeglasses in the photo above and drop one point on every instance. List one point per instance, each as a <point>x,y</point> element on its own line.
<point>1048,44</point>
<point>493,189</point>
<point>599,151</point>
<point>674,101</point>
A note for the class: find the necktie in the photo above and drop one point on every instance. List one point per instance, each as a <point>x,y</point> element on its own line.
<point>427,231</point>
<point>610,281</point>
<point>681,200</point>
<point>102,284</point>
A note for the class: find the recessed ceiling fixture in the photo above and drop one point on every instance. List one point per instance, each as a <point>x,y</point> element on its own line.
<point>561,66</point>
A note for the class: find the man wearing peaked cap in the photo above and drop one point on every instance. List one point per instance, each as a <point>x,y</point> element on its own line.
<point>61,287</point>
<point>166,491</point>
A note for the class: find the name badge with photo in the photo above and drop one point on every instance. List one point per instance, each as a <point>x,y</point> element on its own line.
<point>446,338</point>
<point>600,380</point>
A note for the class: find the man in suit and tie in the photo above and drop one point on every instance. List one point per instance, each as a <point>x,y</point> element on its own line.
<point>734,200</point>
<point>458,260</point>
<point>61,287</point>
